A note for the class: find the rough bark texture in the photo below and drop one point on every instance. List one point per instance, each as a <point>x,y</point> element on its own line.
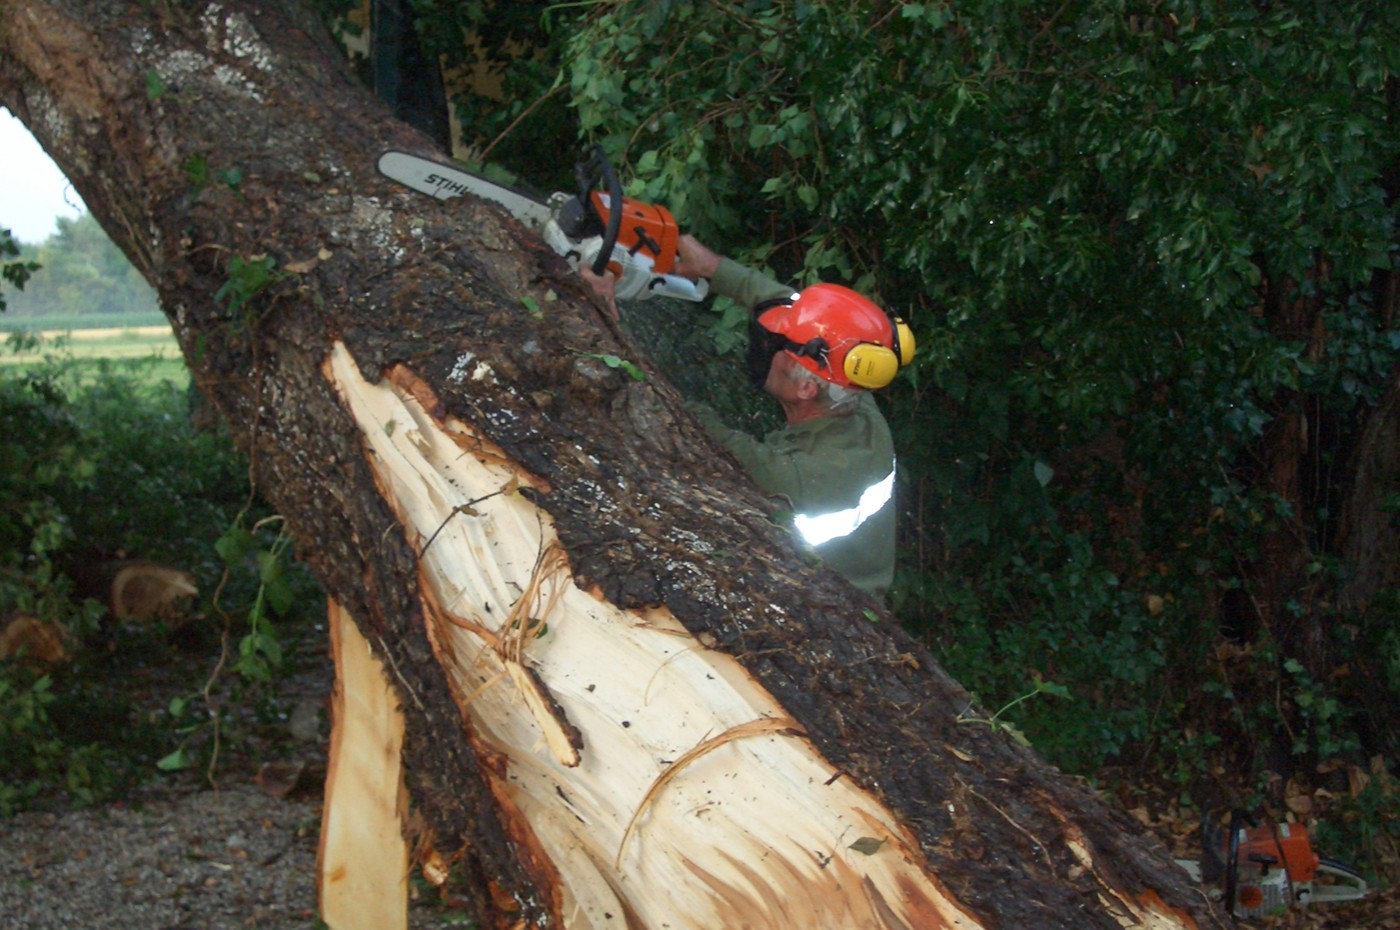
<point>207,135</point>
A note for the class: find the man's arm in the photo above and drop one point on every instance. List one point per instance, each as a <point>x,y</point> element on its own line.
<point>770,467</point>
<point>745,286</point>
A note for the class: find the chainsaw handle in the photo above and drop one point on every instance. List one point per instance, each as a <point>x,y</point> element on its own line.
<point>614,186</point>
<point>674,286</point>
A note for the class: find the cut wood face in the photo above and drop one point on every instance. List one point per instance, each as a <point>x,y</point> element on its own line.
<point>689,797</point>
<point>362,861</point>
<point>32,641</point>
<point>143,591</point>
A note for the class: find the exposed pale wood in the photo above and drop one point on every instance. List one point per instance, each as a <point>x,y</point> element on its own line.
<point>362,862</point>
<point>135,590</point>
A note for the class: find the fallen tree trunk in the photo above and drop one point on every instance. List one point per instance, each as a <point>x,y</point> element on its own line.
<point>627,698</point>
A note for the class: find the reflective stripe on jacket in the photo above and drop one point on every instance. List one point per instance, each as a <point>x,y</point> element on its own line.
<point>820,528</point>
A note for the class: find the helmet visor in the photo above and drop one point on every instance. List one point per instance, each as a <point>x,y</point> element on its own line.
<point>763,345</point>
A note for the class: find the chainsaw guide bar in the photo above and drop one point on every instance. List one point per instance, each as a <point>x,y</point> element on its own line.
<point>637,242</point>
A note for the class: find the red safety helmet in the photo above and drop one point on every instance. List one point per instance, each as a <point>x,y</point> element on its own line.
<point>840,336</point>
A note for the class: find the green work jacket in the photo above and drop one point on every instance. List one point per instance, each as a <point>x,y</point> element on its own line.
<point>836,472</point>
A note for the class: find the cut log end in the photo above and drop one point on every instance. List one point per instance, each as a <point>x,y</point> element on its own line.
<point>141,592</point>
<point>33,641</point>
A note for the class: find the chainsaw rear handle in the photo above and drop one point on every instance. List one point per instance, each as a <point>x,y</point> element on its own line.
<point>635,274</point>
<point>672,285</point>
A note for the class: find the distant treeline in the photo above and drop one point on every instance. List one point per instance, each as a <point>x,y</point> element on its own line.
<point>82,274</point>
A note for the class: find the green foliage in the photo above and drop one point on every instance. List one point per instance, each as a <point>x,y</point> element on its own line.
<point>259,651</point>
<point>84,274</point>
<point>1364,828</point>
<point>14,270</point>
<point>35,758</point>
<point>247,278</point>
<point>43,464</point>
<point>155,86</point>
<point>621,364</point>
<point>504,81</point>
<point>103,461</point>
<point>997,720</point>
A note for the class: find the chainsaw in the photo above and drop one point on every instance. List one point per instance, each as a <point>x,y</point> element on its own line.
<point>1265,870</point>
<point>598,229</point>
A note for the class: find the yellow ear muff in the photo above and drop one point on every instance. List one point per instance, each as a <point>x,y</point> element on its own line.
<point>903,341</point>
<point>870,365</point>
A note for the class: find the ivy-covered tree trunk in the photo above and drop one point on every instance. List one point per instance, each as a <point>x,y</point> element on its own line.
<point>627,699</point>
<point>1369,534</point>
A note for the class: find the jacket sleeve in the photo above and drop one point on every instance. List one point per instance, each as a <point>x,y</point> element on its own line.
<point>770,466</point>
<point>747,287</point>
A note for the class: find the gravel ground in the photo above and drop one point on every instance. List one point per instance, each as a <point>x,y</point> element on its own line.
<point>204,860</point>
<point>176,854</point>
<point>228,859</point>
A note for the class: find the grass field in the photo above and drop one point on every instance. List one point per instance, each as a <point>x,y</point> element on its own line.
<point>149,351</point>
<point>38,323</point>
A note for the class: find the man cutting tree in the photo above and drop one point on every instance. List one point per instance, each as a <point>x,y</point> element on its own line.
<point>819,352</point>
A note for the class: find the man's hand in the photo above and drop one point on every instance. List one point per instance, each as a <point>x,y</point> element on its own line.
<point>694,260</point>
<point>604,287</point>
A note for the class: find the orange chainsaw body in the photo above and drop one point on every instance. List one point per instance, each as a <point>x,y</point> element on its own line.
<point>1285,846</point>
<point>647,229</point>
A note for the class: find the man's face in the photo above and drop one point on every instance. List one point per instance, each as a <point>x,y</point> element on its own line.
<point>777,374</point>
<point>780,381</point>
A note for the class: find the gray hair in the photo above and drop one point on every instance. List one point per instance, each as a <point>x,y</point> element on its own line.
<point>835,399</point>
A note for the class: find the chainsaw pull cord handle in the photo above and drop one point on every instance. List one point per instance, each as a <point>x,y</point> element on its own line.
<point>600,165</point>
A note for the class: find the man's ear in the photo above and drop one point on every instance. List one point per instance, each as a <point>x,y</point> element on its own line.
<point>808,389</point>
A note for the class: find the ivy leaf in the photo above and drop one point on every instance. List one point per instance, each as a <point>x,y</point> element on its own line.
<point>234,545</point>
<point>155,87</point>
<point>613,361</point>
<point>867,845</point>
<point>1015,733</point>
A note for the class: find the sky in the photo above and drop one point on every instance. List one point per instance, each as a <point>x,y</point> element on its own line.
<point>33,192</point>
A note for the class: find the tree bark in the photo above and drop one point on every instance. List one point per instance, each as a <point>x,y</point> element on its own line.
<point>628,699</point>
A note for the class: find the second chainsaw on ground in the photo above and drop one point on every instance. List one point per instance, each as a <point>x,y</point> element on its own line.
<point>1264,870</point>
<point>598,229</point>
